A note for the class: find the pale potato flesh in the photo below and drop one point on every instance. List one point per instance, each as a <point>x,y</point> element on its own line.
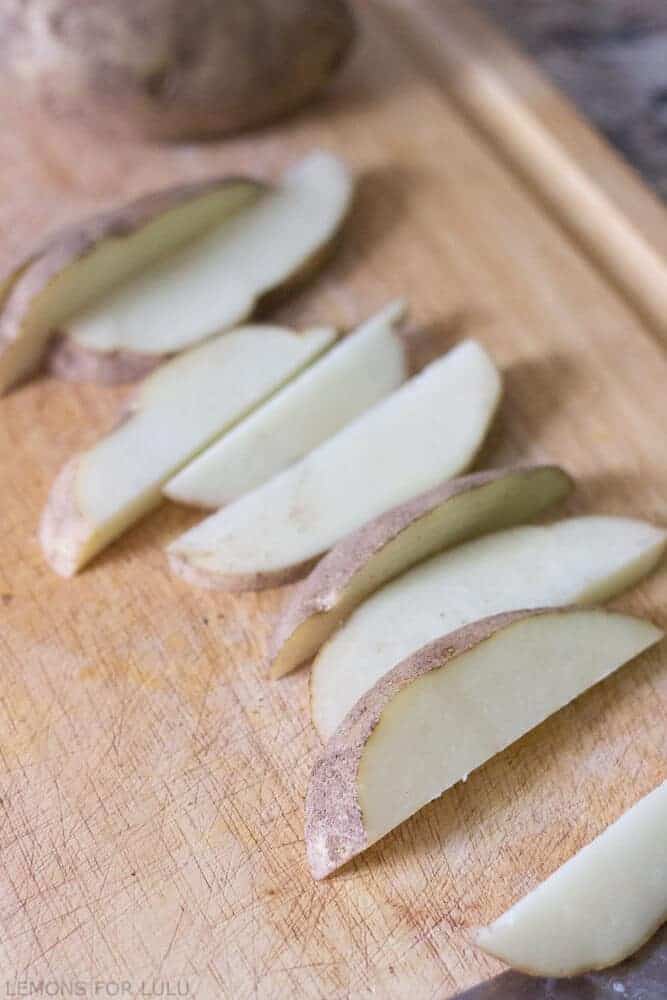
<point>76,269</point>
<point>578,560</point>
<point>363,561</point>
<point>214,282</point>
<point>449,708</point>
<point>599,907</point>
<point>428,430</point>
<point>366,366</point>
<point>179,409</point>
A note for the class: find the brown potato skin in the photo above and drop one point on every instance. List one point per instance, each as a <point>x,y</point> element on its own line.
<point>169,69</point>
<point>334,830</point>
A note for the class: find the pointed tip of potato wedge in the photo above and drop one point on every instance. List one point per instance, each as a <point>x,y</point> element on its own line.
<point>63,530</point>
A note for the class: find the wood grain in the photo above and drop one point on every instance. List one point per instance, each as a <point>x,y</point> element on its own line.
<point>152,781</point>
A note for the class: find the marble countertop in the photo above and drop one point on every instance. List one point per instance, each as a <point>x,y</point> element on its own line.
<point>610,57</point>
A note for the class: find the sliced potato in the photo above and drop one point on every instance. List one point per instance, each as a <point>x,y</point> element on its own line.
<point>362,562</point>
<point>365,367</point>
<point>599,907</point>
<point>580,560</point>
<point>429,429</point>
<point>449,708</point>
<point>82,262</point>
<point>216,281</point>
<point>179,409</point>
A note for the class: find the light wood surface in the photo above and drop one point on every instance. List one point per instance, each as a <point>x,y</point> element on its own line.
<point>151,780</point>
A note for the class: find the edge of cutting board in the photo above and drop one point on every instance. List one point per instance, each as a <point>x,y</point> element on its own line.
<point>599,199</point>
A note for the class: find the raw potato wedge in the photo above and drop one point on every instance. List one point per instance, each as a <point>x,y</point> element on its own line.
<point>82,262</point>
<point>215,282</point>
<point>368,365</point>
<point>179,409</point>
<point>448,709</point>
<point>362,562</point>
<point>428,430</point>
<point>599,907</point>
<point>581,560</point>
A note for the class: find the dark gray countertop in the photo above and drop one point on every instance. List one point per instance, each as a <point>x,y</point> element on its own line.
<point>610,57</point>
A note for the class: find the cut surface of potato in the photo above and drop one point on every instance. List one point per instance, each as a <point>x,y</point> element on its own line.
<point>368,365</point>
<point>215,281</point>
<point>178,410</point>
<point>578,560</point>
<point>448,709</point>
<point>362,562</point>
<point>428,430</point>
<point>599,907</point>
<point>83,261</point>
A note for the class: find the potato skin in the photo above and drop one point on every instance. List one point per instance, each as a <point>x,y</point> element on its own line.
<point>165,69</point>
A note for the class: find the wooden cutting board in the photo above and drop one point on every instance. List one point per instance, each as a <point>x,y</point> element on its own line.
<point>151,780</point>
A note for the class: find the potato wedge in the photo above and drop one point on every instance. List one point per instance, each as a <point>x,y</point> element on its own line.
<point>364,368</point>
<point>215,281</point>
<point>599,907</point>
<point>581,560</point>
<point>448,709</point>
<point>362,562</point>
<point>429,429</point>
<point>82,262</point>
<point>179,409</point>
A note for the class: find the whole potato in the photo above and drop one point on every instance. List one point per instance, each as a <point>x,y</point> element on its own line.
<point>172,69</point>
